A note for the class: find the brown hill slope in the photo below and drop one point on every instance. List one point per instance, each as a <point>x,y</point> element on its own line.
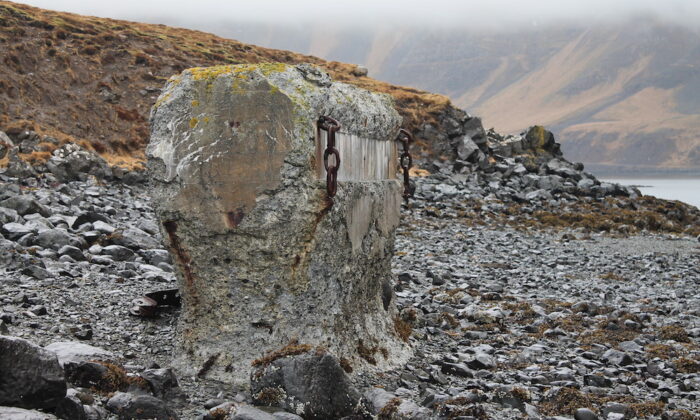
<point>94,80</point>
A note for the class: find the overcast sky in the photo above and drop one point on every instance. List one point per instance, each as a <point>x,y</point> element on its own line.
<point>438,13</point>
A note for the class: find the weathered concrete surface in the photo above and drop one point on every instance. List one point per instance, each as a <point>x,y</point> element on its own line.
<point>263,257</point>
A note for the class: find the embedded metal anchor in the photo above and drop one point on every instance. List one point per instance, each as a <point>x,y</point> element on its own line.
<point>147,306</point>
<point>406,161</point>
<point>331,126</point>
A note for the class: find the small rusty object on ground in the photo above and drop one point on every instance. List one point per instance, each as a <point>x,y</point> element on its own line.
<point>331,126</point>
<point>147,306</point>
<point>406,161</point>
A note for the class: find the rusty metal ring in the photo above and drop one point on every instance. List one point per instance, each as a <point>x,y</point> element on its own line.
<point>402,161</point>
<point>328,123</point>
<point>326,154</point>
<point>404,137</point>
<point>331,183</point>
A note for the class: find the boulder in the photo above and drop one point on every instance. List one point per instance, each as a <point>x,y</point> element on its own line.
<point>542,140</point>
<point>239,188</point>
<point>71,162</point>
<point>312,384</point>
<point>31,376</point>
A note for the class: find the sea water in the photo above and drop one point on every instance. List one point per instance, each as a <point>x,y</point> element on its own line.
<point>681,189</point>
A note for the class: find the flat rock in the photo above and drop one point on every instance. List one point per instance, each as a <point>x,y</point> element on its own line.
<point>75,352</point>
<point>15,413</point>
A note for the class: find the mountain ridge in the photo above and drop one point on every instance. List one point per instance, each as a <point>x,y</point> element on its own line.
<point>625,93</point>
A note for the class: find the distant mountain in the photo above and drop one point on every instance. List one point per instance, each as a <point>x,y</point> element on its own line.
<point>624,94</point>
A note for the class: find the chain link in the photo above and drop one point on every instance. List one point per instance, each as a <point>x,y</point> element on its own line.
<point>330,126</point>
<point>406,161</point>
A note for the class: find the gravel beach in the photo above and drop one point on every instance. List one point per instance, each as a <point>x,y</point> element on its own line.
<point>504,322</point>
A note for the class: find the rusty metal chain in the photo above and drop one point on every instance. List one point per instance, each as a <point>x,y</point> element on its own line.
<point>406,161</point>
<point>331,126</point>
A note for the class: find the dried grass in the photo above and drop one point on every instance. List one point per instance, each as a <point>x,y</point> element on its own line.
<point>291,349</point>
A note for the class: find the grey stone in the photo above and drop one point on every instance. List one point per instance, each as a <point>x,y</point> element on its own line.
<point>71,162</point>
<point>24,205</point>
<point>15,413</point>
<point>585,184</point>
<point>132,407</point>
<point>156,256</point>
<point>5,144</point>
<point>457,369</point>
<point>482,361</point>
<point>54,239</point>
<point>36,272</point>
<point>103,227</point>
<point>246,412</point>
<point>311,382</point>
<point>88,374</point>
<point>70,407</point>
<point>630,346</point>
<point>538,195</point>
<point>14,231</point>
<point>360,71</point>
<point>161,380</point>
<point>118,252</point>
<point>72,251</point>
<point>616,408</point>
<point>17,167</point>
<point>31,376</point>
<point>75,352</point>
<point>89,217</point>
<point>585,414</point>
<point>378,398</point>
<point>134,238</point>
<point>617,357</point>
<point>597,380</point>
<point>466,148</point>
<point>273,235</point>
<point>281,415</point>
<point>8,215</point>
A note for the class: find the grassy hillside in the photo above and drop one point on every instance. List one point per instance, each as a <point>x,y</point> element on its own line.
<point>93,81</point>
